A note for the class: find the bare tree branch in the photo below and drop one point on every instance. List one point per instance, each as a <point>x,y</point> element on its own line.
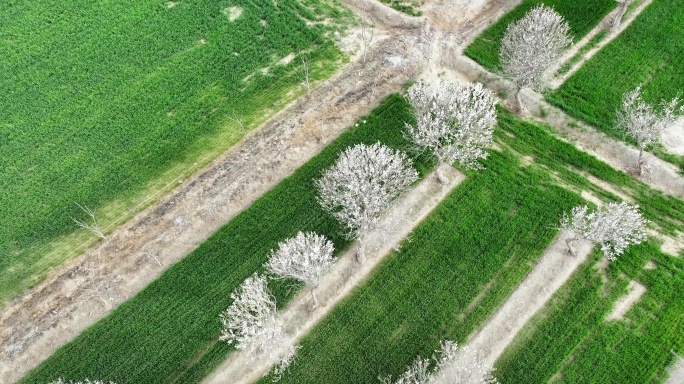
<point>94,227</point>
<point>367,34</point>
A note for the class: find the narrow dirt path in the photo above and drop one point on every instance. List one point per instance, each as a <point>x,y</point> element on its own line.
<point>345,275</point>
<point>605,24</point>
<point>552,271</point>
<point>87,288</point>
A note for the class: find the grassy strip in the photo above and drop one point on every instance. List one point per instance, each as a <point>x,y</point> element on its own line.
<point>488,232</point>
<point>105,103</point>
<point>648,52</point>
<point>581,15</point>
<point>572,341</point>
<point>555,339</point>
<point>409,7</point>
<point>162,334</point>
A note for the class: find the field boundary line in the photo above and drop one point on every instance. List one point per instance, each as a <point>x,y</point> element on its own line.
<point>346,274</point>
<point>553,269</point>
<point>54,312</point>
<point>557,81</point>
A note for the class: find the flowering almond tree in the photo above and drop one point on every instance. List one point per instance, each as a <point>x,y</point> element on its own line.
<point>360,186</point>
<point>531,45</point>
<point>455,123</point>
<point>614,227</point>
<point>305,257</point>
<point>447,365</point>
<point>643,122</point>
<point>250,323</point>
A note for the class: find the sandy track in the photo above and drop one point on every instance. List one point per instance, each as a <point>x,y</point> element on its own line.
<point>404,215</point>
<point>552,271</point>
<point>85,289</point>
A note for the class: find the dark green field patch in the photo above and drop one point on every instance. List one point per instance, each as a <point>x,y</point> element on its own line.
<point>101,99</point>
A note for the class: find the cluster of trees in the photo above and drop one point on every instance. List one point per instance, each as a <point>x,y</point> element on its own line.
<point>455,124</point>
<point>531,45</point>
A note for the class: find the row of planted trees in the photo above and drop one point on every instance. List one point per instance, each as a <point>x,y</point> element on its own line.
<point>456,124</point>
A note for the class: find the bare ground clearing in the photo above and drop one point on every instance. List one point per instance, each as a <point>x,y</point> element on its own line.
<point>673,138</point>
<point>676,371</point>
<point>552,271</point>
<point>345,275</point>
<point>87,288</point>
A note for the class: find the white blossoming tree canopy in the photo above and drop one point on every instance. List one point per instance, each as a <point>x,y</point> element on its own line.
<point>614,227</point>
<point>361,184</point>
<point>455,122</point>
<point>250,323</point>
<point>531,45</point>
<point>645,123</point>
<point>448,364</point>
<point>305,257</point>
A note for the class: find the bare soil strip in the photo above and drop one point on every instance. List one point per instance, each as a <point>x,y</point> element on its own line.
<point>605,24</point>
<point>552,271</point>
<point>623,305</point>
<point>345,275</point>
<point>87,288</point>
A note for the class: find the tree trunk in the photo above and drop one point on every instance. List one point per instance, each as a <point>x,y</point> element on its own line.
<point>518,100</point>
<point>361,254</point>
<point>622,8</point>
<point>313,296</point>
<point>438,172</point>
<point>640,162</point>
<point>568,243</point>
